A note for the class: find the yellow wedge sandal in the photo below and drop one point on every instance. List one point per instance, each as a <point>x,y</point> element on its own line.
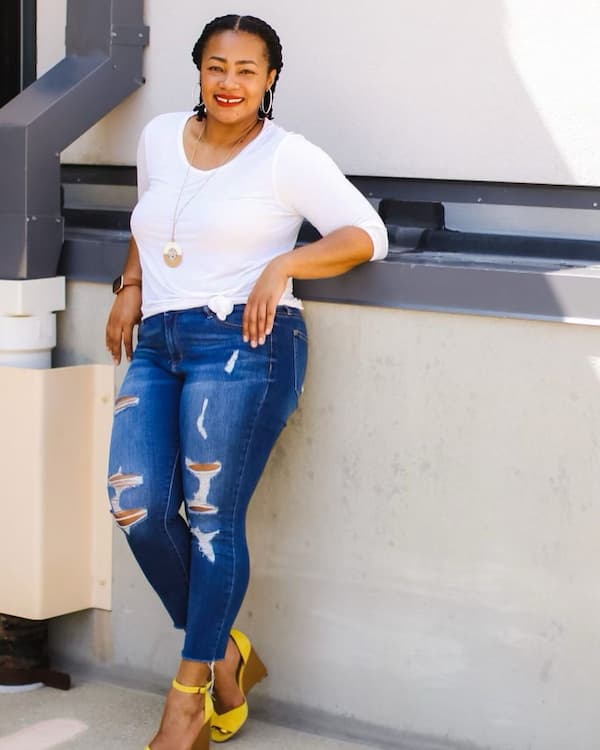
<point>202,741</point>
<point>250,671</point>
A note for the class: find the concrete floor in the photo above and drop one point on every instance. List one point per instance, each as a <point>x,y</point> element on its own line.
<point>93,716</point>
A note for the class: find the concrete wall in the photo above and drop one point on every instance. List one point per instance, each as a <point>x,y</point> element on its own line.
<point>424,541</point>
<point>494,90</point>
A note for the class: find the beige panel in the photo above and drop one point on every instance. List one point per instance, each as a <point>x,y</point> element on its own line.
<point>21,446</point>
<point>55,543</point>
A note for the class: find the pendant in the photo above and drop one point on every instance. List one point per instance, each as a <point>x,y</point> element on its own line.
<point>172,254</point>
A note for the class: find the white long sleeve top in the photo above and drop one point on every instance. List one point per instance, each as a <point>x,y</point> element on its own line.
<point>232,220</point>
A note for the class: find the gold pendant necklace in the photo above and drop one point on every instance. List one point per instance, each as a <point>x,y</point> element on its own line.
<point>172,254</point>
<point>172,251</point>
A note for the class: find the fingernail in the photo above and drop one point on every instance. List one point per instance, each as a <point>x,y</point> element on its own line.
<point>261,340</point>
<point>253,344</point>
<point>269,332</point>
<point>246,339</point>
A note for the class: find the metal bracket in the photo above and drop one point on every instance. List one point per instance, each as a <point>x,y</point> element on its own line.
<point>130,36</point>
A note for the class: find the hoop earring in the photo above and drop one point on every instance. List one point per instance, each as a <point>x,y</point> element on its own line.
<point>263,108</point>
<point>200,108</point>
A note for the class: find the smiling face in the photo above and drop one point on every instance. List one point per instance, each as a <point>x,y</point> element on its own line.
<point>234,75</point>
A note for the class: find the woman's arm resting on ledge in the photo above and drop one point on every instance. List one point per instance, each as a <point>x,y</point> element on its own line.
<point>332,255</point>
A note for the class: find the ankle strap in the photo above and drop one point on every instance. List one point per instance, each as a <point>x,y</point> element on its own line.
<point>193,689</point>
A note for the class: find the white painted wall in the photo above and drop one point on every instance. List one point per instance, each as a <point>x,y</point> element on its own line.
<point>470,89</point>
<point>424,541</point>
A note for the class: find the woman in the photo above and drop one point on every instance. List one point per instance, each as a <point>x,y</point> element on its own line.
<point>221,350</point>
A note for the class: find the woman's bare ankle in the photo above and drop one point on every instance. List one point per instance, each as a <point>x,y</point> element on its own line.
<point>227,692</point>
<point>184,712</point>
<point>182,719</point>
<point>193,673</point>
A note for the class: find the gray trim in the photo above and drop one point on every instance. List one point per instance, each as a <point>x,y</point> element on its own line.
<point>524,288</point>
<point>540,288</point>
<point>93,256</point>
<point>444,282</point>
<point>98,174</point>
<point>103,65</point>
<point>403,188</point>
<point>492,193</point>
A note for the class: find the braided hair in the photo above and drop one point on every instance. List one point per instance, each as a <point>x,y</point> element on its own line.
<point>251,25</point>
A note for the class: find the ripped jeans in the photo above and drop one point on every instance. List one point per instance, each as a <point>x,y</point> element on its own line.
<point>195,420</point>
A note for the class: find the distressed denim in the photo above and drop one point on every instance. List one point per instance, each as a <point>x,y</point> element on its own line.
<point>195,420</point>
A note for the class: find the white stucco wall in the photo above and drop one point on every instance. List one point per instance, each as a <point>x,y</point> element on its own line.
<point>494,90</point>
<point>424,539</point>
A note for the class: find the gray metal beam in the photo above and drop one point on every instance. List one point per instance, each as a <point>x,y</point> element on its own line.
<point>103,65</point>
<point>530,288</point>
<point>513,288</point>
<point>479,192</point>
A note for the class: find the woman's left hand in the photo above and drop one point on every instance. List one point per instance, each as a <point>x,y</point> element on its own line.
<point>261,306</point>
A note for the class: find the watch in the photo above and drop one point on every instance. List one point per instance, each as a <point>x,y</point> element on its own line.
<point>120,283</point>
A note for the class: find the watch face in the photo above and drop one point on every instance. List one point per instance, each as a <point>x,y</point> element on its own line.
<point>118,284</point>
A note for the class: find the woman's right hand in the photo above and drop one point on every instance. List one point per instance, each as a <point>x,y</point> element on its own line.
<point>125,314</point>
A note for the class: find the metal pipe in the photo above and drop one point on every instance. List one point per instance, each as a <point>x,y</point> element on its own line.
<point>103,65</point>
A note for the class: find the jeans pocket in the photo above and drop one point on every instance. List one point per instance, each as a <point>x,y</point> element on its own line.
<point>232,321</point>
<point>300,359</point>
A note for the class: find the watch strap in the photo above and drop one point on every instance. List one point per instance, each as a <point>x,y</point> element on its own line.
<point>121,282</point>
